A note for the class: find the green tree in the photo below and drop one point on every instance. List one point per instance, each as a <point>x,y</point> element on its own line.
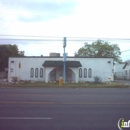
<point>6,51</point>
<point>100,48</point>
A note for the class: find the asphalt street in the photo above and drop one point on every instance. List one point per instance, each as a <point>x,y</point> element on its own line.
<point>63,109</point>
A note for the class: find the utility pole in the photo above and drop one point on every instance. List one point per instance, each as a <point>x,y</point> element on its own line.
<point>64,62</point>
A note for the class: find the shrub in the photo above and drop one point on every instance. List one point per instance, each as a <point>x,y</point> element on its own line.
<point>97,79</point>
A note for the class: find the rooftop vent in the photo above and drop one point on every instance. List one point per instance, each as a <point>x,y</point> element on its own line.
<point>54,54</point>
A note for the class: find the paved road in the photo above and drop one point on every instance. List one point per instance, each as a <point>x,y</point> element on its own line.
<point>63,109</point>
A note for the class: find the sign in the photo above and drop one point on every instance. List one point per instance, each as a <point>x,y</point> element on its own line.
<point>122,124</point>
<point>64,42</point>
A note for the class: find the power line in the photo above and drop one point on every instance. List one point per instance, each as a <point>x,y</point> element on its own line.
<point>55,38</point>
<point>31,36</point>
<point>125,50</point>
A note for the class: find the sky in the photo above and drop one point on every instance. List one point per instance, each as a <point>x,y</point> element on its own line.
<point>38,26</point>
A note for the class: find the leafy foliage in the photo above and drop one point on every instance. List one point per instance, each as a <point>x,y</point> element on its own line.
<point>100,48</point>
<point>6,51</point>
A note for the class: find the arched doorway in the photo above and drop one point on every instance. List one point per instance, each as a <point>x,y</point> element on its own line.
<point>52,75</point>
<point>70,75</point>
<point>56,73</point>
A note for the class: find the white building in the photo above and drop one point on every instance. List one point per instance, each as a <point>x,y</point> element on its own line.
<point>126,68</point>
<point>51,68</point>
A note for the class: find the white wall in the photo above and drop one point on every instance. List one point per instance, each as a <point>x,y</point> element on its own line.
<point>100,67</point>
<point>24,72</point>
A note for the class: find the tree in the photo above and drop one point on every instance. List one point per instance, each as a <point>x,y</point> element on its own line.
<point>6,51</point>
<point>100,48</point>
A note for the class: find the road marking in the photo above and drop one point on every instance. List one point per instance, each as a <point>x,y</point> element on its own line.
<point>25,118</point>
<point>29,94</point>
<point>70,103</point>
<point>27,102</point>
<point>97,103</point>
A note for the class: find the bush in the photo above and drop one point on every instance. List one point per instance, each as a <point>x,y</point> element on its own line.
<point>97,79</point>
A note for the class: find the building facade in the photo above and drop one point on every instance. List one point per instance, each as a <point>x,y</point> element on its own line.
<point>48,68</point>
<point>126,69</point>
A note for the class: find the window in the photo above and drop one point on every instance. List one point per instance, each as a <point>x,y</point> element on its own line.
<point>12,61</point>
<point>85,73</point>
<point>80,73</point>
<point>41,72</point>
<point>31,72</point>
<point>36,72</point>
<point>89,72</point>
<point>126,73</point>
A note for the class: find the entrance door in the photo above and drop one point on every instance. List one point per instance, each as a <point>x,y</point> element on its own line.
<point>69,75</point>
<point>53,75</point>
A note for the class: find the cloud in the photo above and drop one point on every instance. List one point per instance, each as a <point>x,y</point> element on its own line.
<point>38,10</point>
<point>41,5</point>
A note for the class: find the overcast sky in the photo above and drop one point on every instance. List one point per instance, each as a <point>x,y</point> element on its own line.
<point>59,18</point>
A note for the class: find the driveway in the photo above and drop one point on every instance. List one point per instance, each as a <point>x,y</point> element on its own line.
<point>122,81</point>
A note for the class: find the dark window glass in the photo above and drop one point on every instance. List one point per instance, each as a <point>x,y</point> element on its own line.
<point>36,72</point>
<point>126,72</point>
<point>80,73</point>
<point>89,72</point>
<point>31,72</point>
<point>85,73</point>
<point>41,72</point>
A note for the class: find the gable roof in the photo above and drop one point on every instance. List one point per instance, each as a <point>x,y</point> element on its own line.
<point>60,64</point>
<point>125,65</point>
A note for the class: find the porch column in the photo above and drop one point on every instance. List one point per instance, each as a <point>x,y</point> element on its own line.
<point>76,72</point>
<point>47,71</point>
<point>76,75</point>
<point>46,75</point>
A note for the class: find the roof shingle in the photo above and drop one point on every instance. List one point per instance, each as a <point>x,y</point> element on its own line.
<point>60,64</point>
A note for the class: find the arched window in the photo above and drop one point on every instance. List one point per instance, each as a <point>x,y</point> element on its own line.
<point>41,72</point>
<point>80,73</point>
<point>31,72</point>
<point>89,72</point>
<point>36,72</point>
<point>85,73</point>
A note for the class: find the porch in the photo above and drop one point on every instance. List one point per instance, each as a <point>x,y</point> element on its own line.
<point>54,70</point>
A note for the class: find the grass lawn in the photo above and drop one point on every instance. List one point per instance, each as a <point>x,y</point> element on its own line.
<point>66,85</point>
